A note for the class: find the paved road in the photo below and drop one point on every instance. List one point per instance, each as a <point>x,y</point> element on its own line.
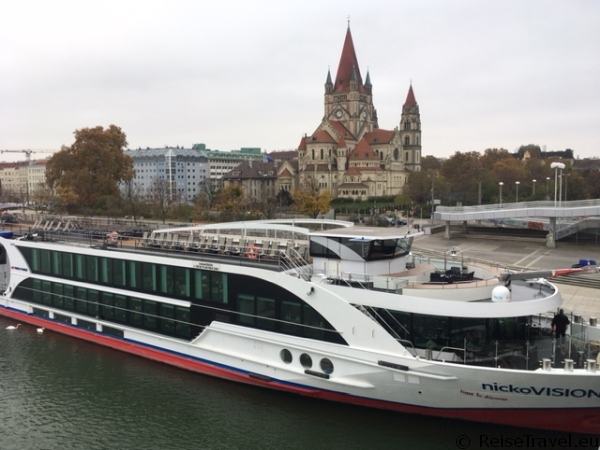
<point>523,253</point>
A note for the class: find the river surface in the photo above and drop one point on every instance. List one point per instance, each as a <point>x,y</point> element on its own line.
<point>57,392</point>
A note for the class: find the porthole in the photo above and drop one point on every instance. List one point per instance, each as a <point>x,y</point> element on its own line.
<point>306,361</point>
<point>327,366</point>
<point>286,356</point>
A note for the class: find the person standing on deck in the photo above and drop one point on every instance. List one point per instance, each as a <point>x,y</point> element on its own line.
<point>560,323</point>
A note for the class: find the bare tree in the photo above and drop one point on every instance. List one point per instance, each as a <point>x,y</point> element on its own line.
<point>161,197</point>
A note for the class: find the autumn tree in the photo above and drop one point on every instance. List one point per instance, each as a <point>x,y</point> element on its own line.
<point>463,171</point>
<point>231,202</point>
<point>92,167</point>
<point>309,200</point>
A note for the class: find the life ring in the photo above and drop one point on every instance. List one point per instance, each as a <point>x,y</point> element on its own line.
<point>251,252</point>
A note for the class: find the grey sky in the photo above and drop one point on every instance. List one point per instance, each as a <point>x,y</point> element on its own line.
<point>242,73</point>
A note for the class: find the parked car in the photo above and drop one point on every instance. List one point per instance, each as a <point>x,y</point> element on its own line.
<point>583,263</point>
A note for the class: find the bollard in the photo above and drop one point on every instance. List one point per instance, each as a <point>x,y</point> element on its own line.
<point>592,365</point>
<point>568,365</point>
<point>546,364</point>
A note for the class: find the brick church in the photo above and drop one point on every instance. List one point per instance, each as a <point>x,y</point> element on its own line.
<point>348,154</point>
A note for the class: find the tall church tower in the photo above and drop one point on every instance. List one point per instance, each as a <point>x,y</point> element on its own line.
<point>410,129</point>
<point>347,99</point>
<point>348,154</point>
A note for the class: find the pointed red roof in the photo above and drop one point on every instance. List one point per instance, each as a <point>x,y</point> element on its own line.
<point>321,136</point>
<point>410,98</point>
<point>302,145</point>
<point>362,151</point>
<point>348,67</point>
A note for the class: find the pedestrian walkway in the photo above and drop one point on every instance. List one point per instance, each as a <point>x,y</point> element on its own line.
<point>531,211</point>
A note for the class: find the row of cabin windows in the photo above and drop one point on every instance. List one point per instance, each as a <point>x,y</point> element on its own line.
<point>213,295</point>
<point>168,319</point>
<point>177,282</point>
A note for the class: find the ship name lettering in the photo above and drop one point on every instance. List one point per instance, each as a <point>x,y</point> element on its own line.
<point>205,266</point>
<point>541,391</point>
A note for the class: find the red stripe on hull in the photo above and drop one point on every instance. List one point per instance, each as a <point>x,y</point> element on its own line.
<point>586,421</point>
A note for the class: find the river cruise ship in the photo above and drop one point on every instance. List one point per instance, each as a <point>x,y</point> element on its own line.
<point>320,308</point>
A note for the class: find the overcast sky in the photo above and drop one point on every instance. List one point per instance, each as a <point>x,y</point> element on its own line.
<point>243,73</point>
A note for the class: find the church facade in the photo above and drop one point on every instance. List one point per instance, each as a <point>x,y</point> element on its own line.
<point>348,154</point>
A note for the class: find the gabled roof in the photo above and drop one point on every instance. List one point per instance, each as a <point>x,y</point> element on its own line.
<point>322,136</point>
<point>379,136</point>
<point>348,67</point>
<point>362,151</point>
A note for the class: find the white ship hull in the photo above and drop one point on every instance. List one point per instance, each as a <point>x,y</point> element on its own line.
<point>372,368</point>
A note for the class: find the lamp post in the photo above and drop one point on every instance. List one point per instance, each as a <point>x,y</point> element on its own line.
<point>432,197</point>
<point>500,196</point>
<point>534,187</point>
<point>517,196</point>
<point>556,166</point>
<point>547,187</point>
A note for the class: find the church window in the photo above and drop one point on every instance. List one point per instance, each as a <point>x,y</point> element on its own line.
<point>406,156</point>
<point>313,153</point>
<point>407,125</point>
<point>396,154</point>
<point>322,154</point>
<point>407,140</point>
<point>417,140</point>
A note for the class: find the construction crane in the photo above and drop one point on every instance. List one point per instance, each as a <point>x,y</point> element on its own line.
<point>28,152</point>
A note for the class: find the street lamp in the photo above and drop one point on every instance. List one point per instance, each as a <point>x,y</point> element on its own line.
<point>547,187</point>
<point>517,197</point>
<point>534,187</point>
<point>432,195</point>
<point>556,166</point>
<point>500,196</point>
